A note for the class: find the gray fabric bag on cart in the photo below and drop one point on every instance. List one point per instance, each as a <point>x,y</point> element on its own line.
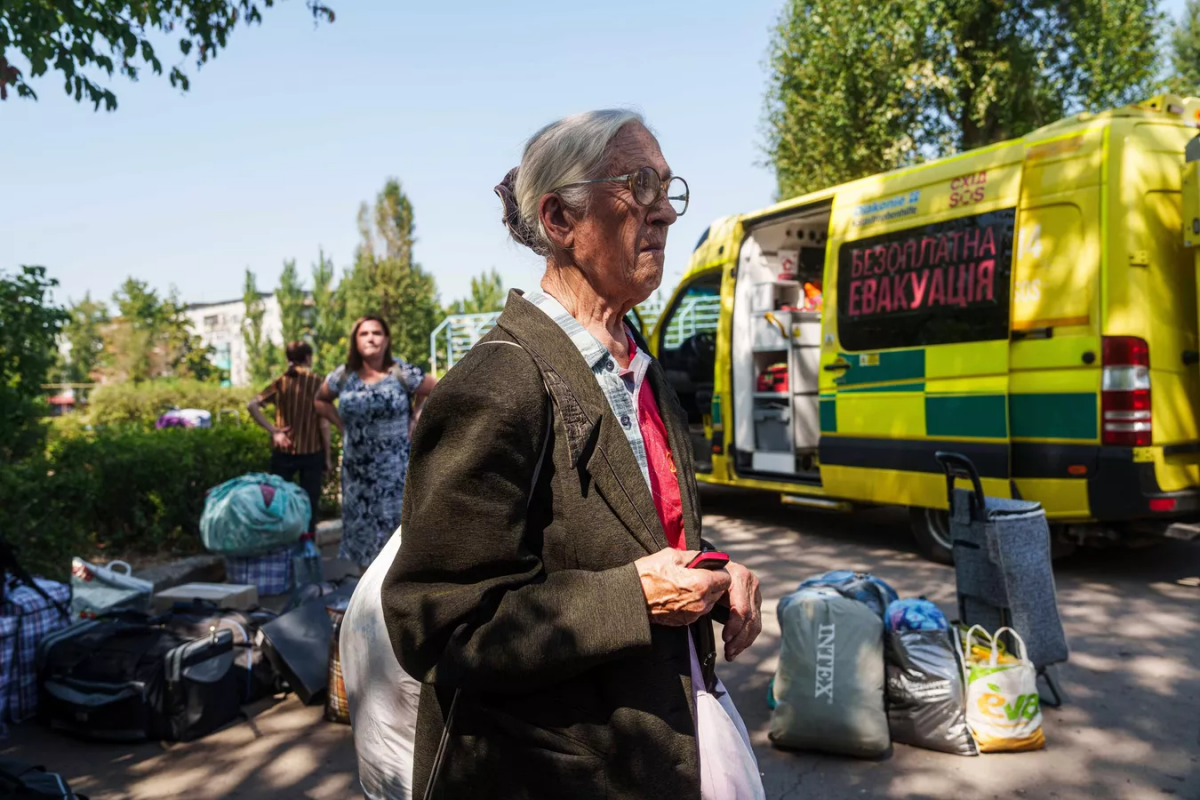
<point>829,686</point>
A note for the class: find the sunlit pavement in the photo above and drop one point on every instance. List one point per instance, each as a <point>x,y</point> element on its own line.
<point>1130,730</point>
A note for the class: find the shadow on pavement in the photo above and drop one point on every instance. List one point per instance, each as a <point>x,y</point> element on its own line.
<point>1130,731</point>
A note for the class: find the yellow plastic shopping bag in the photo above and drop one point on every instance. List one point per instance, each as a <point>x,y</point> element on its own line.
<point>1003,708</point>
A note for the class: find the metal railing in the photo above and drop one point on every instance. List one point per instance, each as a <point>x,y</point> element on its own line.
<point>458,333</point>
<point>699,314</point>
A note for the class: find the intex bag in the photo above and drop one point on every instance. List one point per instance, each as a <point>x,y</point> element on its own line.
<point>861,586</point>
<point>125,681</point>
<point>1003,707</point>
<point>829,684</point>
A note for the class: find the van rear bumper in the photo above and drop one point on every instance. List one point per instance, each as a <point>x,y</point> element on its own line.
<point>1120,488</point>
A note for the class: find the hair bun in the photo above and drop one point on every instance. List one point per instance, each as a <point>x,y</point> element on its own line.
<point>520,232</point>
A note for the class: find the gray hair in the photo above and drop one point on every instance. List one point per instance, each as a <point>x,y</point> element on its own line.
<point>570,150</point>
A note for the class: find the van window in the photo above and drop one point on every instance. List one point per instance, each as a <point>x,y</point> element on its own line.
<point>687,348</point>
<point>933,284</point>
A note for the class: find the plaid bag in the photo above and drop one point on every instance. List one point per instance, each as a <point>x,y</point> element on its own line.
<point>8,651</point>
<point>336,707</point>
<point>272,573</point>
<point>35,618</point>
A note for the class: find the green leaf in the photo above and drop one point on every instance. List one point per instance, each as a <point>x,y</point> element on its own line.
<point>994,687</point>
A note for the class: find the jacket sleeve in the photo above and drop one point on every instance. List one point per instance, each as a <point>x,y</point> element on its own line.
<point>467,601</point>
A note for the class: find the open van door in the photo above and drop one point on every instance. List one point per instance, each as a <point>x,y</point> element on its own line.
<point>915,348</point>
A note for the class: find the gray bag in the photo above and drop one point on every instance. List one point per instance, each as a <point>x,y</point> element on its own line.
<point>925,693</point>
<point>830,681</point>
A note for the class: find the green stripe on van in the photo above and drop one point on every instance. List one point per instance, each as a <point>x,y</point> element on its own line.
<point>828,415</point>
<point>1054,416</point>
<point>895,365</point>
<point>979,416</point>
<point>887,387</point>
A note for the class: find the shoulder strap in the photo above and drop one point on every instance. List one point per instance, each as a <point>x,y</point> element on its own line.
<point>537,471</point>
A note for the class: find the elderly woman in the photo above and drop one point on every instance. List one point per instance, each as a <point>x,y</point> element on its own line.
<point>542,593</point>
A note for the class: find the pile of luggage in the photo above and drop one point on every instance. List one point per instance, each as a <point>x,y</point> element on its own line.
<point>860,668</point>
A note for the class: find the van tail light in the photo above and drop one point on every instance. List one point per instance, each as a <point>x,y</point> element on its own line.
<point>1125,392</point>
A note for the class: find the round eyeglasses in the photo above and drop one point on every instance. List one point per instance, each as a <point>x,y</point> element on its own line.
<point>647,188</point>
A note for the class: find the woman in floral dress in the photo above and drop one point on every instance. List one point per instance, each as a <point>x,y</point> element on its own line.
<point>379,400</point>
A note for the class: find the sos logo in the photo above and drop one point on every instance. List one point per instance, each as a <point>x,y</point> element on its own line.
<point>968,189</point>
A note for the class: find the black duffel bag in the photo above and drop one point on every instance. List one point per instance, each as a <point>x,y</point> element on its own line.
<point>256,677</point>
<point>127,681</point>
<point>21,781</point>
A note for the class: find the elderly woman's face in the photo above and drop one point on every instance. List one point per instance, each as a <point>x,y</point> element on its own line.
<point>618,243</point>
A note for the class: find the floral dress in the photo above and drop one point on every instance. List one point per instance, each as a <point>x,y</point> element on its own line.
<point>375,450</point>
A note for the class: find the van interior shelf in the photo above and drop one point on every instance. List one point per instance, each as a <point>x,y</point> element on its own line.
<point>773,349</point>
<point>769,395</point>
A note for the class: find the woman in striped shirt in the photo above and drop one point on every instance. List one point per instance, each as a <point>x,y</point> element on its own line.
<point>299,436</point>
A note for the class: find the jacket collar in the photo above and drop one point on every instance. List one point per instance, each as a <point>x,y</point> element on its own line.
<point>597,446</point>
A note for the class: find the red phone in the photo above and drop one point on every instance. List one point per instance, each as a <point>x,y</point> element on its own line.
<point>709,559</point>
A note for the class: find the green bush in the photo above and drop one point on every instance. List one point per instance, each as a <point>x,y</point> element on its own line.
<point>120,491</point>
<point>143,403</point>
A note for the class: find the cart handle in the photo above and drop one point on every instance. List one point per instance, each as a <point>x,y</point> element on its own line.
<point>957,465</point>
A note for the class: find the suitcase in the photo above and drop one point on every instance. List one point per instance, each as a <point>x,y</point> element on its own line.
<point>128,681</point>
<point>256,677</point>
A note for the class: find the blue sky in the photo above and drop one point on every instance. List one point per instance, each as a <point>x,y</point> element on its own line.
<point>288,130</point>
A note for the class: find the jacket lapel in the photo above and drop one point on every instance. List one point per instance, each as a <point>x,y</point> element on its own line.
<point>678,437</point>
<point>597,446</point>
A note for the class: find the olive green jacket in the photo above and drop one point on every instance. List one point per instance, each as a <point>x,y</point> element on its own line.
<point>531,605</point>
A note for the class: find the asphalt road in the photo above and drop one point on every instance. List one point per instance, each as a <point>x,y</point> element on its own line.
<point>1131,728</point>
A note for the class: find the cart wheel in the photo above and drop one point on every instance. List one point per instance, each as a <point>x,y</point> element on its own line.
<point>931,529</point>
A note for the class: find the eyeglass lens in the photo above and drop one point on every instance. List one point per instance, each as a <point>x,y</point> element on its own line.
<point>648,188</point>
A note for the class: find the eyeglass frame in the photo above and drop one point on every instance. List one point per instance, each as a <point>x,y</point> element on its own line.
<point>629,179</point>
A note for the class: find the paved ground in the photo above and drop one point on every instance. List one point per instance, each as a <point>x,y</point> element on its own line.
<point>1131,730</point>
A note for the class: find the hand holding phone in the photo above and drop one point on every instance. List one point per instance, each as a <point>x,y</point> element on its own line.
<point>709,559</point>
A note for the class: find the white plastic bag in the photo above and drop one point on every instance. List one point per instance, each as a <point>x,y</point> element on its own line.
<point>96,590</point>
<point>1003,708</point>
<point>383,698</point>
<point>728,766</point>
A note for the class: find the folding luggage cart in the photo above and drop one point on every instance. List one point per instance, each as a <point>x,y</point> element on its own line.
<point>1002,567</point>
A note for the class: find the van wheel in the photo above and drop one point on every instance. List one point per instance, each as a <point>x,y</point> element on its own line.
<point>931,529</point>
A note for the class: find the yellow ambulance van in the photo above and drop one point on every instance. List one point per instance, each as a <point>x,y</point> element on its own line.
<point>1031,305</point>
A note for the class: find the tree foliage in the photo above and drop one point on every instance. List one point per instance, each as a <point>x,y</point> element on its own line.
<point>29,326</point>
<point>263,355</point>
<point>85,40</point>
<point>293,304</point>
<point>487,295</point>
<point>84,336</point>
<point>150,338</point>
<point>1185,52</point>
<point>386,281</point>
<point>329,329</point>
<point>857,89</point>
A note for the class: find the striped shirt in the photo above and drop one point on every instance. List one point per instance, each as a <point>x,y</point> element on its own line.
<point>293,397</point>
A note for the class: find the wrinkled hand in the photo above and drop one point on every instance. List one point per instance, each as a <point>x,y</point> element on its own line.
<point>676,595</point>
<point>745,610</point>
<point>328,463</point>
<point>281,440</point>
